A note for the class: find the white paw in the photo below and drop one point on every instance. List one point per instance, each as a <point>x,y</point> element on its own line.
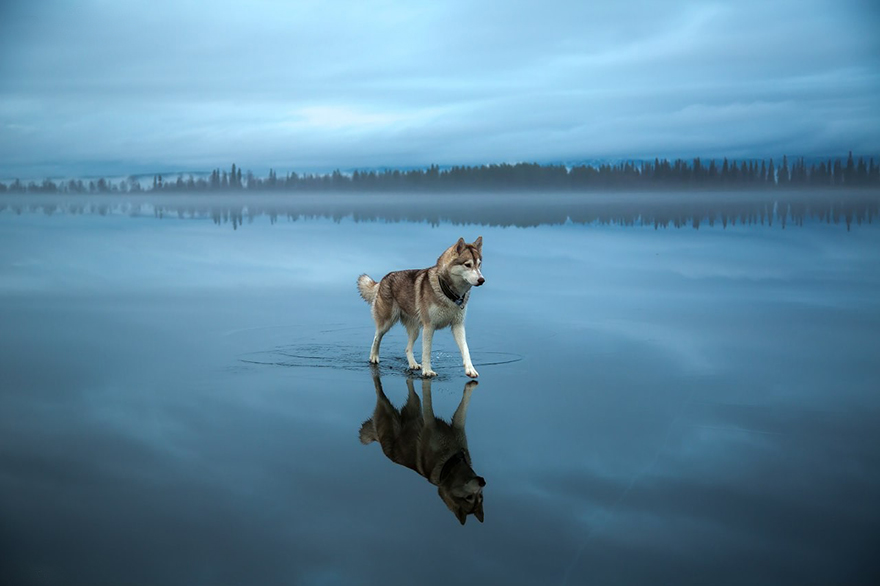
<point>374,360</point>
<point>415,366</point>
<point>471,372</point>
<point>428,372</point>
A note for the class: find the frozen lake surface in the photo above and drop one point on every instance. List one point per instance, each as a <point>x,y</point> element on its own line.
<point>181,402</point>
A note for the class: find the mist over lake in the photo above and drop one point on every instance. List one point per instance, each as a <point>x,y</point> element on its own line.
<point>674,388</point>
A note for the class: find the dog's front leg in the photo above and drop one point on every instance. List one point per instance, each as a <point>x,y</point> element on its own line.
<point>460,415</point>
<point>427,404</point>
<point>461,340</point>
<point>427,338</point>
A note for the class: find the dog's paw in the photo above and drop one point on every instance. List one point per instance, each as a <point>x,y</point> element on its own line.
<point>415,366</point>
<point>471,372</point>
<point>428,373</point>
<point>374,360</point>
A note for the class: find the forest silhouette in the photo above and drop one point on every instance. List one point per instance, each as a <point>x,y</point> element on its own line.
<point>660,210</point>
<point>659,174</point>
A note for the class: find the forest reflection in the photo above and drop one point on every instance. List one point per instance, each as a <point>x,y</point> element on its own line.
<point>660,210</point>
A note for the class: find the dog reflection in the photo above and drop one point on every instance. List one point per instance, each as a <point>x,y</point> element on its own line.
<point>413,437</point>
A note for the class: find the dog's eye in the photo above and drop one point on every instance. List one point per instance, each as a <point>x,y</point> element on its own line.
<point>468,264</point>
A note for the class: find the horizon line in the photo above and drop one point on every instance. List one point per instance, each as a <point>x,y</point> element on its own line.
<point>569,164</point>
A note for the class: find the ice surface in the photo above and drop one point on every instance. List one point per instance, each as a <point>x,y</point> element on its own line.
<point>181,403</point>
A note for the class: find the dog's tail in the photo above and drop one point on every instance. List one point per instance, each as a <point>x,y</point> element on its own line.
<point>368,432</point>
<point>368,288</point>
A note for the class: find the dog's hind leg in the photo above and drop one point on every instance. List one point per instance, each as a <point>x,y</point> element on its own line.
<point>385,315</point>
<point>368,432</point>
<point>412,410</point>
<point>412,331</point>
<point>381,330</point>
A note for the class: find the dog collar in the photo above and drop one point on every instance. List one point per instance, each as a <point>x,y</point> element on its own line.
<point>450,463</point>
<point>447,290</point>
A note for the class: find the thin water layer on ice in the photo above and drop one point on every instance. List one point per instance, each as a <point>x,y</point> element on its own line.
<point>181,403</point>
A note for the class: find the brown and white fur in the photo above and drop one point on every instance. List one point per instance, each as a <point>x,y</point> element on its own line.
<point>416,297</point>
<point>413,437</point>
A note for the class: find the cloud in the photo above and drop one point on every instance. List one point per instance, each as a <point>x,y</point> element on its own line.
<point>318,85</point>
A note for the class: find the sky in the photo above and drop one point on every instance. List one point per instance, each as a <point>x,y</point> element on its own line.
<point>116,88</point>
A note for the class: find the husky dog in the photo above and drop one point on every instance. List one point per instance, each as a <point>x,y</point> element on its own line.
<point>431,298</point>
<point>413,437</point>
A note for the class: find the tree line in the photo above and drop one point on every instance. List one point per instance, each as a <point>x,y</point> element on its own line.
<point>780,208</point>
<point>656,174</point>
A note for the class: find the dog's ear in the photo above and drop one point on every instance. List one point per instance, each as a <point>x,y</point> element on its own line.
<point>459,246</point>
<point>478,243</point>
<point>462,516</point>
<point>478,512</point>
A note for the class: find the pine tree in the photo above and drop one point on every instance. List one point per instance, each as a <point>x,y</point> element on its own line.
<point>849,174</point>
<point>782,175</point>
<point>861,172</point>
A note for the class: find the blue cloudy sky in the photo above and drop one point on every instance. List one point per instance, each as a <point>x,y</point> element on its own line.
<point>113,87</point>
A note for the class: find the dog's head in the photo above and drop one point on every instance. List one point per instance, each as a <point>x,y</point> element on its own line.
<point>462,492</point>
<point>464,261</point>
